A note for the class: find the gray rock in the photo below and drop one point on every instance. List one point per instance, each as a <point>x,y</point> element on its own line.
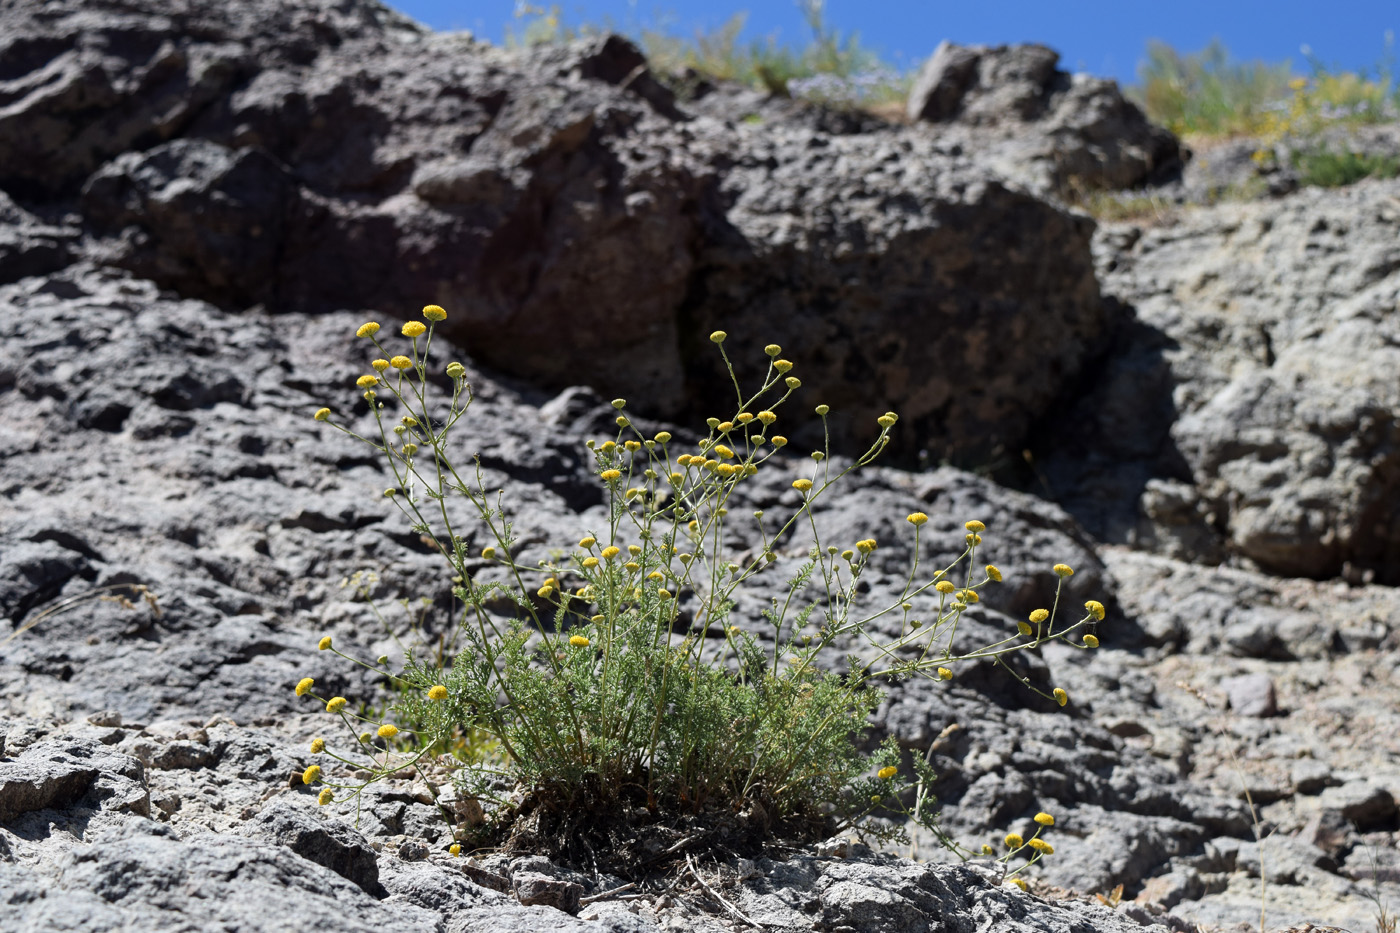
<point>59,774</point>
<point>889,895</point>
<point>1251,695</point>
<point>1310,776</point>
<point>534,888</point>
<point>1066,131</point>
<point>1366,805</point>
<point>143,874</point>
<point>1263,338</point>
<point>293,823</point>
<point>28,245</point>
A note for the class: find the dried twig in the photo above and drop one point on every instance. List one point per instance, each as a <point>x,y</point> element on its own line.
<point>607,894</point>
<point>715,894</point>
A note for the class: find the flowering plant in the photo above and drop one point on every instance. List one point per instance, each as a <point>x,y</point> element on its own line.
<point>620,678</point>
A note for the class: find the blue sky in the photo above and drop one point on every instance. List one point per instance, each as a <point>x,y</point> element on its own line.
<point>1104,38</point>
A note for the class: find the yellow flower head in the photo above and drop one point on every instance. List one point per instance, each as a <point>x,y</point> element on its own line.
<point>1014,841</point>
<point>945,674</point>
<point>1019,882</point>
<point>1095,609</point>
<point>1024,628</point>
<point>610,552</point>
<point>380,365</point>
<point>1041,846</point>
<point>944,586</point>
<point>437,692</point>
<point>1045,819</point>
<point>1039,616</point>
<point>610,475</point>
<point>886,420</point>
<point>388,730</point>
<point>782,366</point>
<point>401,362</point>
<point>322,414</point>
<point>847,554</point>
<point>823,410</point>
<point>1063,570</point>
<point>973,539</point>
<point>886,773</point>
<point>867,546</point>
<point>916,519</point>
<point>335,704</point>
<point>987,850</point>
<point>311,775</point>
<point>367,330</point>
<point>767,417</point>
<point>324,643</point>
<point>578,641</point>
<point>1090,641</point>
<point>969,596</point>
<point>456,370</point>
<point>772,349</point>
<point>414,329</point>
<point>779,441</point>
<point>663,437</point>
<point>304,685</point>
<point>318,746</point>
<point>743,417</point>
<point>792,382</point>
<point>325,796</point>
<point>434,313</point>
<point>723,451</point>
<point>993,574</point>
<point>366,381</point>
<point>1060,696</point>
<point>587,542</point>
<point>488,552</point>
<point>802,485</point>
<point>590,562</point>
<point>718,336</point>
<point>974,526</point>
<point>454,849</point>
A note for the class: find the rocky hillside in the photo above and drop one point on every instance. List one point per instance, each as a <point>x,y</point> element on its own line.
<point>198,204</point>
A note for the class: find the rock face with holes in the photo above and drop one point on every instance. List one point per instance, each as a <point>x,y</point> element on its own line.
<point>584,225</point>
<point>1250,409</point>
<point>84,858</point>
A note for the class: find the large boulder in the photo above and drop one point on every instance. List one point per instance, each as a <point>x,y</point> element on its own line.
<point>1068,133</point>
<point>578,222</point>
<point>1251,408</point>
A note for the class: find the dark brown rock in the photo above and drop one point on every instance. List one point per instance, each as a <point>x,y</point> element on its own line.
<point>577,223</point>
